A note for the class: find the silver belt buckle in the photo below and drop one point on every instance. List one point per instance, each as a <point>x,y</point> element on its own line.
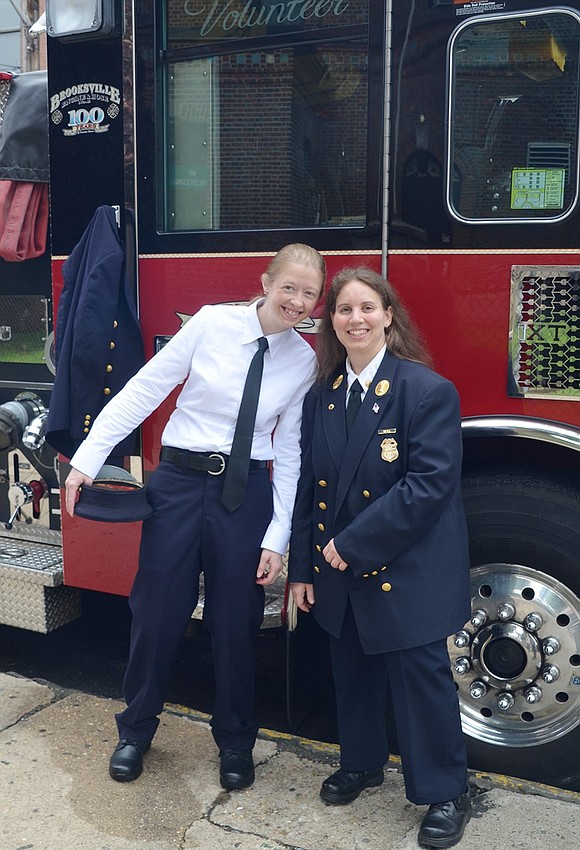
<point>223,464</point>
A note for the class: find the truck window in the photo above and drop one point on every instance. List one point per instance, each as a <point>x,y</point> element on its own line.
<point>264,125</point>
<point>513,118</point>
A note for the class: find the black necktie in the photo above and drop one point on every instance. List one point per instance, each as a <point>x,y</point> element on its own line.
<point>236,476</point>
<point>353,404</point>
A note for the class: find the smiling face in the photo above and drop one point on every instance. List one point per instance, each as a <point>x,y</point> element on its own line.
<point>291,295</point>
<point>359,322</point>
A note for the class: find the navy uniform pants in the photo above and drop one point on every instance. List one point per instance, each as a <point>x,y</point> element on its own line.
<point>426,713</point>
<point>189,532</point>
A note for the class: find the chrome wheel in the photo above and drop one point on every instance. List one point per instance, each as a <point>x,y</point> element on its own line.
<point>516,663</point>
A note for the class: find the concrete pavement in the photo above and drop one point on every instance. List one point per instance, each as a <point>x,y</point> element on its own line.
<point>55,792</point>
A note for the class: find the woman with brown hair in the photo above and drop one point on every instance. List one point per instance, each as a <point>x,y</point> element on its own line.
<point>378,550</point>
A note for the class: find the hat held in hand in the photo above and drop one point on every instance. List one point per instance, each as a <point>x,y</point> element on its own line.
<point>114,496</point>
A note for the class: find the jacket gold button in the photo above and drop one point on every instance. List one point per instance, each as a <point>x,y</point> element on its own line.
<point>365,575</point>
<point>321,526</point>
<point>115,323</point>
<point>108,368</point>
<point>111,344</point>
<point>86,430</point>
<point>322,483</point>
<point>106,391</point>
<point>322,506</point>
<point>318,548</point>
<point>316,569</point>
<point>366,494</point>
<point>331,407</point>
<point>375,573</point>
<point>383,568</point>
<point>386,587</point>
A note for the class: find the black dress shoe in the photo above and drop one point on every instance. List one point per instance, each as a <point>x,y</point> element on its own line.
<point>444,823</point>
<point>236,769</point>
<point>344,786</point>
<point>126,763</point>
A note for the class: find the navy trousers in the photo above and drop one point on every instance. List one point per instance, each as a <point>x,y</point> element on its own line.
<point>189,532</point>
<point>425,707</point>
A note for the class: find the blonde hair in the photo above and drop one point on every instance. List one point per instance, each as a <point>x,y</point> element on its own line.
<point>302,255</point>
<point>402,336</point>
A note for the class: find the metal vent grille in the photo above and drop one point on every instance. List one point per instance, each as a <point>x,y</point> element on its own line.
<point>549,155</point>
<point>545,331</point>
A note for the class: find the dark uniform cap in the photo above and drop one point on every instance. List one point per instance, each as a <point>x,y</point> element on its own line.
<point>114,496</point>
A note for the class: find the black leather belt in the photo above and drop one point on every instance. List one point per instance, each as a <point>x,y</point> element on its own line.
<point>214,463</point>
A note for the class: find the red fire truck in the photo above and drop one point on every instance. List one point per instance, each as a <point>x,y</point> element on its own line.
<point>435,140</point>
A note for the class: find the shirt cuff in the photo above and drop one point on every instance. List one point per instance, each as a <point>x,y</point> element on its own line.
<point>87,461</point>
<point>276,538</point>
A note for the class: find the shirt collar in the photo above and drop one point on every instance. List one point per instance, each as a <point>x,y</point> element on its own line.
<point>368,373</point>
<point>253,329</point>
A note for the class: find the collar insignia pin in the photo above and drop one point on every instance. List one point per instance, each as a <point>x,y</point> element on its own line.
<point>338,382</point>
<point>382,388</point>
<point>376,408</point>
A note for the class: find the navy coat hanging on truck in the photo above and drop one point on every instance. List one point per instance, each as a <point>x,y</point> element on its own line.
<point>98,338</point>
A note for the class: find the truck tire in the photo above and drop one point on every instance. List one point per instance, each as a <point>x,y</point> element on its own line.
<point>516,664</point>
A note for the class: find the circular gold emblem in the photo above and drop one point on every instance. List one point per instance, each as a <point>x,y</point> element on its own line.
<point>382,388</point>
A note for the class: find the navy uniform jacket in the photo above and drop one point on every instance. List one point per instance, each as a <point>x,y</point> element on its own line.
<point>98,339</point>
<point>391,500</point>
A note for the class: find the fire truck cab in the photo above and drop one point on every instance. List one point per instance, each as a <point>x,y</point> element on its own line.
<point>437,141</point>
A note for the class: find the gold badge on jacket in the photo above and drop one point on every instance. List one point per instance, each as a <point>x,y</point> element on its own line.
<point>382,388</point>
<point>338,382</point>
<point>389,450</point>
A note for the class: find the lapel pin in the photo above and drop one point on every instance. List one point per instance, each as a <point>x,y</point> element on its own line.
<point>338,382</point>
<point>376,408</point>
<point>382,388</point>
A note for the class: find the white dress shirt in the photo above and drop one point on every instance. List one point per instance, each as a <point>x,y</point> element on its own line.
<point>212,354</point>
<point>365,378</point>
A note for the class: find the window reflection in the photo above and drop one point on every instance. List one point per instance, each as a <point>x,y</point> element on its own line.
<point>267,139</point>
<point>514,119</point>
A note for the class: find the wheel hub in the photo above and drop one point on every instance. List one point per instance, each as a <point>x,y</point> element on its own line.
<point>505,655</point>
<point>516,663</point>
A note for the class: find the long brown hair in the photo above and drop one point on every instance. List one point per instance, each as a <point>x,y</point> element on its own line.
<point>402,337</point>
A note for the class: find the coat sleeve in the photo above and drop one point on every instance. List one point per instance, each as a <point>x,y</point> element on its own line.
<point>301,540</point>
<point>394,522</point>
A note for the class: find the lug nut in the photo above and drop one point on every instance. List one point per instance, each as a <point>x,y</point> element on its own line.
<point>533,694</point>
<point>462,665</point>
<point>477,689</point>
<point>505,701</point>
<point>533,622</point>
<point>506,611</point>
<point>550,645</point>
<point>478,618</point>
<point>462,639</point>
<point>550,673</point>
